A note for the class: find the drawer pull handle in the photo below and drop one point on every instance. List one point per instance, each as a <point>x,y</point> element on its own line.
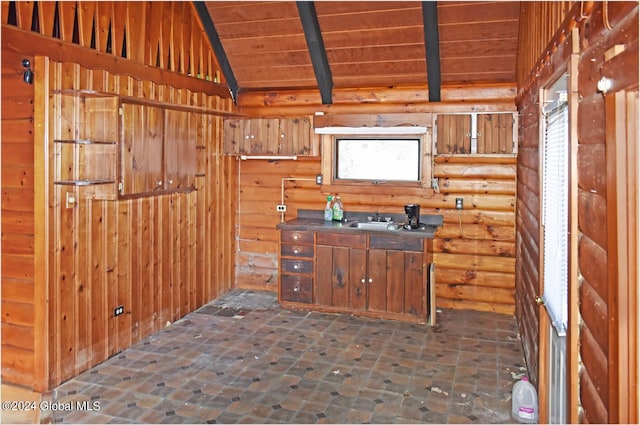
<point>370,280</point>
<point>296,251</point>
<point>296,266</point>
<point>295,237</point>
<point>363,280</point>
<point>296,289</point>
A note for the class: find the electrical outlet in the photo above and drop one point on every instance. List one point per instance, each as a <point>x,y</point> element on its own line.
<point>281,208</point>
<point>118,311</point>
<point>318,178</point>
<point>459,203</point>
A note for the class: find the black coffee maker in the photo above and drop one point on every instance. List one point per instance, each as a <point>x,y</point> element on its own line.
<point>413,216</point>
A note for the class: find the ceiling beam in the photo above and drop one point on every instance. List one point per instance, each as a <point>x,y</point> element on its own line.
<point>315,44</point>
<point>432,44</point>
<point>216,45</point>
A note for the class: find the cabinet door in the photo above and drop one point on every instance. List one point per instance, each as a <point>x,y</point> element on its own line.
<point>179,149</point>
<point>495,133</point>
<point>324,273</point>
<point>141,150</point>
<point>295,136</point>
<point>454,134</point>
<point>358,279</point>
<point>377,280</point>
<point>415,284</point>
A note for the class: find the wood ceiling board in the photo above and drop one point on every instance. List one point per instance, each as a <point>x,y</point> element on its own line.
<point>478,48</point>
<point>370,20</point>
<point>276,44</point>
<point>366,38</point>
<point>347,7</point>
<point>473,65</point>
<point>472,12</point>
<point>506,30</point>
<point>375,54</point>
<point>246,13</point>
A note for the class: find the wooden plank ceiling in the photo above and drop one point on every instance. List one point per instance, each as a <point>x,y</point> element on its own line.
<point>367,43</point>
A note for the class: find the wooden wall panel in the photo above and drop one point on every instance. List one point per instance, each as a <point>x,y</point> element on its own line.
<point>474,251</point>
<point>159,257</point>
<point>130,30</point>
<point>145,254</point>
<point>18,231</point>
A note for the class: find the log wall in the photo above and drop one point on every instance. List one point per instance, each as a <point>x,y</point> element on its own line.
<point>594,386</point>
<point>474,250</point>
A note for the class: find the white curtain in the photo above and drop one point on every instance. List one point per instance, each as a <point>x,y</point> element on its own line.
<point>555,215</point>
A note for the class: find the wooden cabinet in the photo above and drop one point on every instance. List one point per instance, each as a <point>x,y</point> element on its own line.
<point>85,142</point>
<point>158,151</point>
<point>296,266</point>
<point>383,276</point>
<point>116,148</point>
<point>268,136</point>
<point>476,133</point>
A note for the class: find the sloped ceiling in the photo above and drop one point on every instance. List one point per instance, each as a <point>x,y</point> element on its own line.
<point>367,43</point>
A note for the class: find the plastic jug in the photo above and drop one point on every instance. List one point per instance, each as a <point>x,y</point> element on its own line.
<point>328,209</point>
<point>524,402</point>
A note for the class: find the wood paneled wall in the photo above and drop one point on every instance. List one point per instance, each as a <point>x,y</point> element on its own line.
<point>159,256</point>
<point>165,34</point>
<point>539,21</point>
<point>17,222</point>
<point>474,250</point>
<point>597,391</point>
<point>65,269</point>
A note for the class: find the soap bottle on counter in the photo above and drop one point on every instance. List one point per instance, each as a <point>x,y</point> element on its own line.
<point>338,209</point>
<point>328,209</point>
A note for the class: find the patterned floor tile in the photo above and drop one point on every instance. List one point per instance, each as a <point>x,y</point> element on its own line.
<point>231,362</point>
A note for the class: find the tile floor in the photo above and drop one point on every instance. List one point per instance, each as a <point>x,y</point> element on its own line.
<point>242,359</point>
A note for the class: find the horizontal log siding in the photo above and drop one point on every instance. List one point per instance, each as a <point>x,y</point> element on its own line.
<point>474,250</point>
<point>594,375</point>
<point>17,223</point>
<point>160,257</point>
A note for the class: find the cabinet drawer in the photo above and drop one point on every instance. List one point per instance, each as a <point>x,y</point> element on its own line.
<point>290,250</point>
<point>297,288</point>
<point>296,236</point>
<point>297,266</point>
<point>341,239</point>
<point>397,243</point>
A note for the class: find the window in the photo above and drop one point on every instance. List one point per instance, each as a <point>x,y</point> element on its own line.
<point>555,204</point>
<point>377,159</point>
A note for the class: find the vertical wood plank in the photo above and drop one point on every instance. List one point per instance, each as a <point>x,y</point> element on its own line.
<point>358,272</point>
<point>86,20</point>
<point>136,36</point>
<point>123,294</point>
<point>104,14</point>
<point>24,11</point>
<point>377,288</point>
<point>415,284</point>
<point>99,311</point>
<point>340,279</point>
<point>153,25</point>
<point>395,276</point>
<point>46,12</point>
<point>67,11</point>
<point>324,265</point>
<point>119,29</point>
<point>42,136</point>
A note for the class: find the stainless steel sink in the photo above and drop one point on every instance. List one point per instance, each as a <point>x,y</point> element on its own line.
<point>375,225</point>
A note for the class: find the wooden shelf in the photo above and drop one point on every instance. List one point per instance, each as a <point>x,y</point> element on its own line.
<point>83,182</point>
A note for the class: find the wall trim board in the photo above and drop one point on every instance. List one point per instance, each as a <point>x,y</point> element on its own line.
<point>28,42</point>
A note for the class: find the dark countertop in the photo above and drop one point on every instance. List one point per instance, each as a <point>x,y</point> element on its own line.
<point>313,220</point>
